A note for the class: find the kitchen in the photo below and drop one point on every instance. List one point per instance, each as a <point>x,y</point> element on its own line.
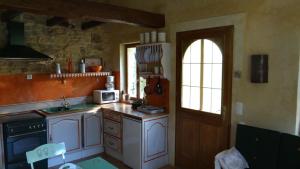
<point>57,101</point>
<point>65,100</point>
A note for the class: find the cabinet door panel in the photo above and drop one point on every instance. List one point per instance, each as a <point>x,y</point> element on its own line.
<point>132,142</point>
<point>109,114</point>
<point>112,142</point>
<point>155,138</point>
<point>67,130</point>
<point>112,128</point>
<point>92,129</point>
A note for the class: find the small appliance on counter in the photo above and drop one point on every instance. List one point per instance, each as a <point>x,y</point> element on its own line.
<point>106,96</point>
<point>82,66</point>
<point>110,83</point>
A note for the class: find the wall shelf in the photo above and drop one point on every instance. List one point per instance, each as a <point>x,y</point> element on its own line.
<point>152,56</point>
<point>150,75</point>
<point>78,75</point>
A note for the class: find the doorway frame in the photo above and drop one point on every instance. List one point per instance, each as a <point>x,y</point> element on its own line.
<point>239,22</point>
<point>222,120</point>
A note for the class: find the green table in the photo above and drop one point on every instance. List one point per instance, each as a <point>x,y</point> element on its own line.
<point>96,163</point>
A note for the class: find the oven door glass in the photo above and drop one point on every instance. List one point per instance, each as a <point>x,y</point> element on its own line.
<point>108,96</point>
<point>17,146</point>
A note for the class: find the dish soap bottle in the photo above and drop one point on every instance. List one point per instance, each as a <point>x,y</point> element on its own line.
<point>82,66</point>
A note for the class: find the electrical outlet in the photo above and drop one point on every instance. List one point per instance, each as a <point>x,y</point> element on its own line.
<point>29,77</point>
<point>239,108</point>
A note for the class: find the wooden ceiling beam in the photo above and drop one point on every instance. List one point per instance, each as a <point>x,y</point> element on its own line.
<point>90,24</point>
<point>57,21</point>
<point>76,9</point>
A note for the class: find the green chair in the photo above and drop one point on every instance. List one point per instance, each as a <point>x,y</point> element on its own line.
<point>96,163</point>
<point>47,151</point>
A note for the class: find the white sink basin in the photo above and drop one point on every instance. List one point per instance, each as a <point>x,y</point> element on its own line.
<point>150,109</point>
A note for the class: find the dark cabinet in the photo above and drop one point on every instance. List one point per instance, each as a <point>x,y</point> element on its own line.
<point>260,147</point>
<point>267,149</point>
<point>289,152</point>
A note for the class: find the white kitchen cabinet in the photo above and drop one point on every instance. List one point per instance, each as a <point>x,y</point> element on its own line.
<point>132,142</point>
<point>112,125</point>
<point>66,129</point>
<point>113,143</point>
<point>1,148</point>
<point>82,133</point>
<point>155,138</point>
<point>112,128</point>
<point>92,129</point>
<point>145,142</point>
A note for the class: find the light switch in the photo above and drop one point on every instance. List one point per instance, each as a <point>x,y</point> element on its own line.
<point>239,108</point>
<point>29,77</point>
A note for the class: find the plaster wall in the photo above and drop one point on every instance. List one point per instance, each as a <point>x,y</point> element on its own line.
<point>268,26</point>
<point>271,27</point>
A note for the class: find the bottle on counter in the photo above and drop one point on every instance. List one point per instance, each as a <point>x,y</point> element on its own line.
<point>69,64</point>
<point>58,70</point>
<point>82,66</point>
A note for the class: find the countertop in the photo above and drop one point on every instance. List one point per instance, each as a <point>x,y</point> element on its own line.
<point>123,108</point>
<point>126,110</point>
<point>91,108</point>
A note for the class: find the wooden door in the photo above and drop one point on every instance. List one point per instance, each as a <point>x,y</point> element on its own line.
<point>66,129</point>
<point>92,129</point>
<point>203,95</point>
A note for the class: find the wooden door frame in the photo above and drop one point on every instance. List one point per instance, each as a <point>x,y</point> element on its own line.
<point>224,118</point>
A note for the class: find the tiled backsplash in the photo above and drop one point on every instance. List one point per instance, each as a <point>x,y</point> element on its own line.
<point>156,99</point>
<point>17,89</point>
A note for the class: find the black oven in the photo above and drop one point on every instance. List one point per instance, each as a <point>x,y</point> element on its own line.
<point>23,136</point>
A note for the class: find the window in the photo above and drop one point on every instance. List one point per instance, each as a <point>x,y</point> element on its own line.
<point>134,84</point>
<point>202,77</point>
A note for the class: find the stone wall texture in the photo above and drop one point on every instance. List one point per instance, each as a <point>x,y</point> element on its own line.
<point>58,42</point>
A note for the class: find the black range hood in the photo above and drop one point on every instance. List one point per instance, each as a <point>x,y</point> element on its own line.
<point>16,49</point>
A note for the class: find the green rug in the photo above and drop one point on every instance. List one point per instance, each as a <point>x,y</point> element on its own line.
<point>96,163</point>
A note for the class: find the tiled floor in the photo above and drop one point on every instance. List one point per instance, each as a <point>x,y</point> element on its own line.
<point>114,161</point>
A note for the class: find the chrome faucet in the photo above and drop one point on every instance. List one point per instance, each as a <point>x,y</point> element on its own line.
<point>65,103</point>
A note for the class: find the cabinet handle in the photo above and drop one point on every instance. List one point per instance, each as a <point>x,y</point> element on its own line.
<point>111,128</point>
<point>111,143</point>
<point>50,138</point>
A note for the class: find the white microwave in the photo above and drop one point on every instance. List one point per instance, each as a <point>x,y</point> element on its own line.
<point>106,96</point>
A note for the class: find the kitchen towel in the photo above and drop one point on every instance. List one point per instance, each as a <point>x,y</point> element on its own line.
<point>230,159</point>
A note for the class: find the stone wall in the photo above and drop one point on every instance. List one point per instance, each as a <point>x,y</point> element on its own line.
<point>58,42</point>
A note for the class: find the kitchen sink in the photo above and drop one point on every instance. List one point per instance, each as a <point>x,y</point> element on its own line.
<point>150,109</point>
<point>69,108</point>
